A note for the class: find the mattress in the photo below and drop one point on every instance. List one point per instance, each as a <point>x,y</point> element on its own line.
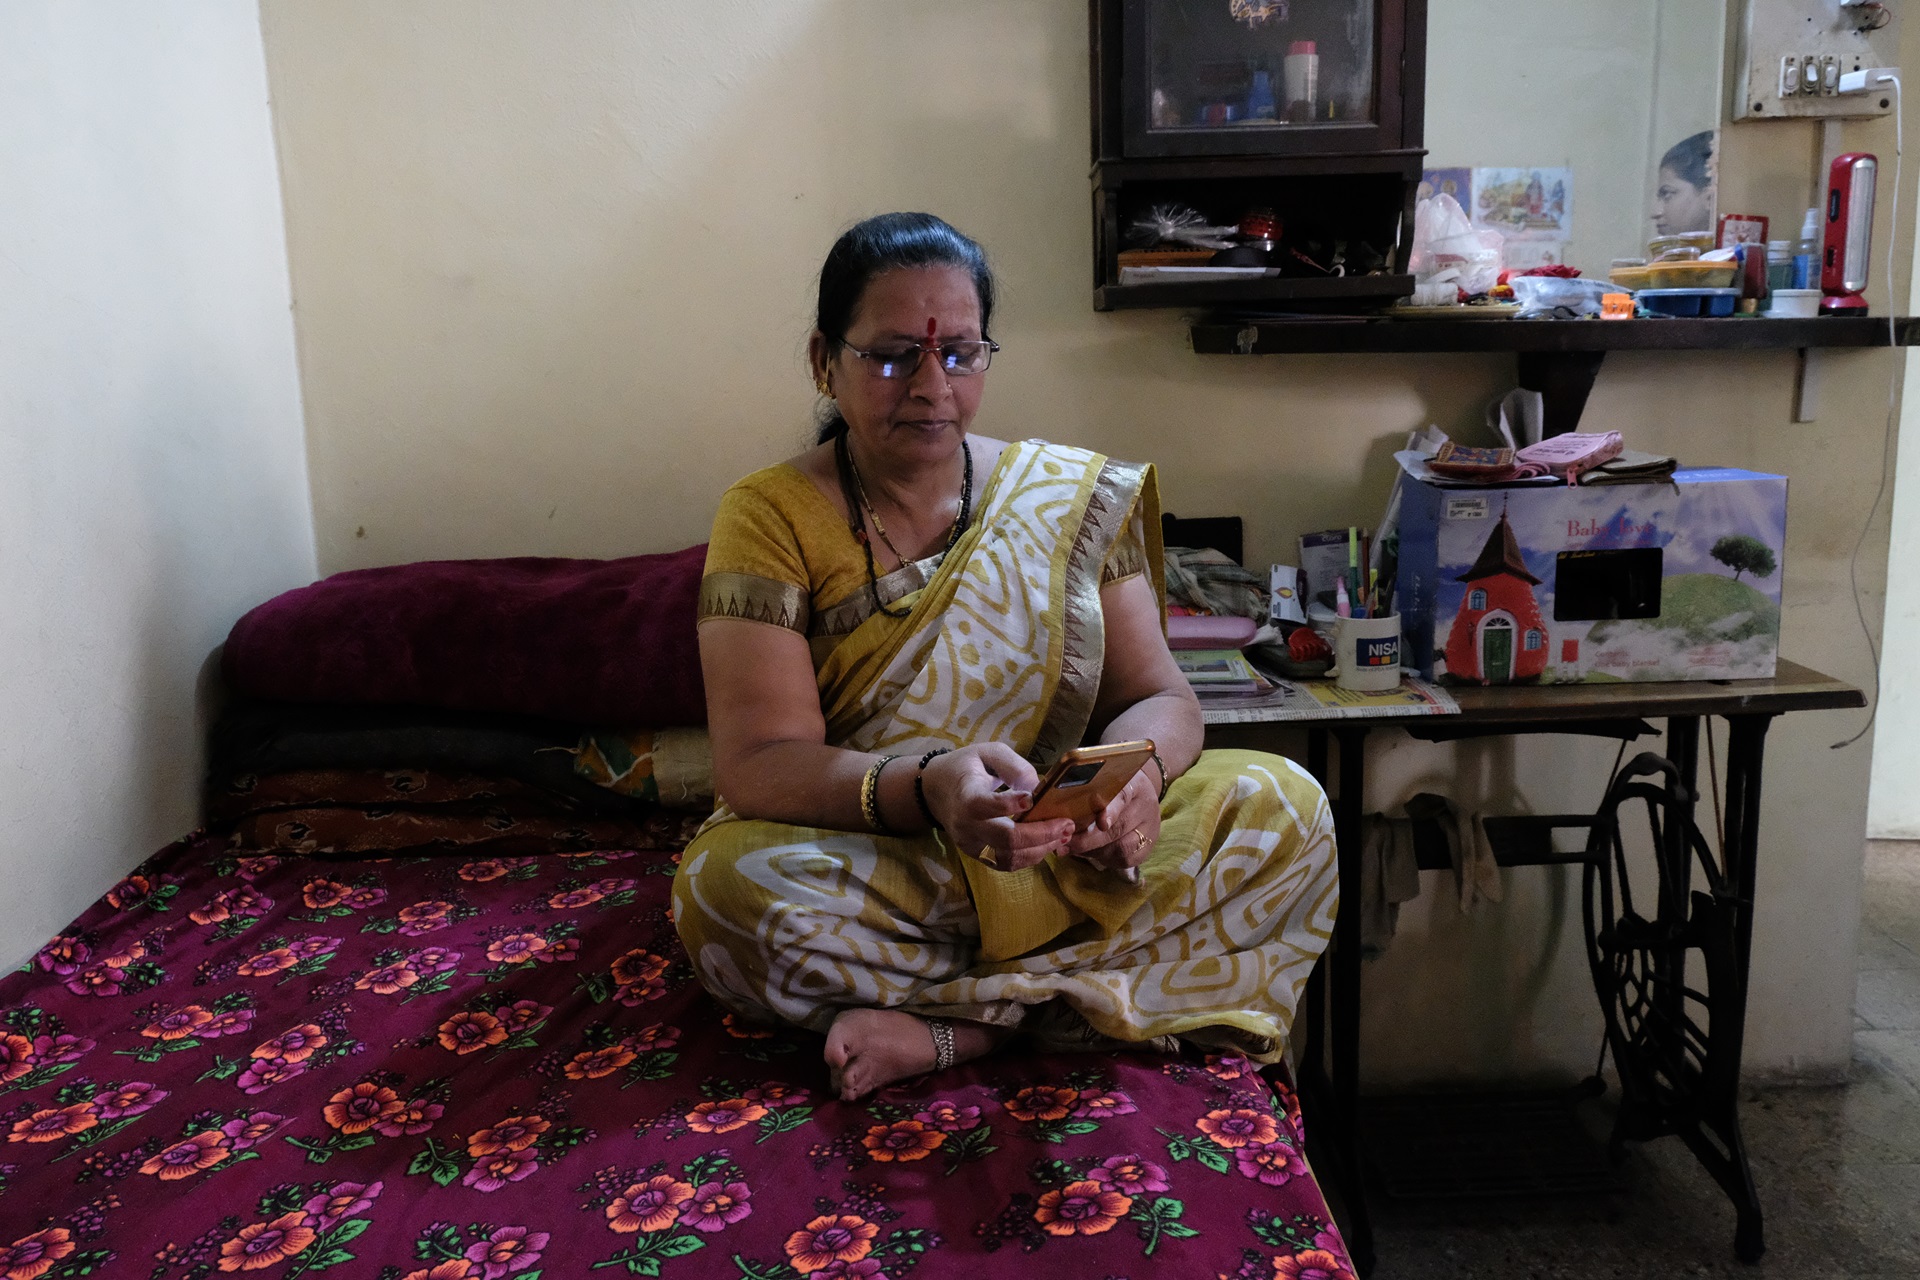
<point>491,1066</point>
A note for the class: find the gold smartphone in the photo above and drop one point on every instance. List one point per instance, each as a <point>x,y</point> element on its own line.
<point>1085,780</point>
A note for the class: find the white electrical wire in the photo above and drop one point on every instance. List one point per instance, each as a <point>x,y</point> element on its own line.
<point>1886,442</point>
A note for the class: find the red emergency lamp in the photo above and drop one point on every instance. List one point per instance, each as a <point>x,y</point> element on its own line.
<point>1843,252</point>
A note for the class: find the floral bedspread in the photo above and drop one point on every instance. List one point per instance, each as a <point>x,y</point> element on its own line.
<point>499,1068</point>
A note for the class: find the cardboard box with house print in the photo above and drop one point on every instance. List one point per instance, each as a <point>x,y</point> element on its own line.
<point>1557,584</point>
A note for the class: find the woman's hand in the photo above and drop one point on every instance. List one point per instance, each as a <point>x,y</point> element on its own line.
<point>1123,834</point>
<point>978,794</point>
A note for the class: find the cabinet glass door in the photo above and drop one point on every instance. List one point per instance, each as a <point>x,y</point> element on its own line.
<point>1240,76</point>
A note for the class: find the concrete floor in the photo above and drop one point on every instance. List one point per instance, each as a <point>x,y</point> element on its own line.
<point>1838,1168</point>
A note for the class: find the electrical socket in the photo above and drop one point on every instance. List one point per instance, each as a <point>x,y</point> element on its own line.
<point>1794,58</point>
<point>1862,81</point>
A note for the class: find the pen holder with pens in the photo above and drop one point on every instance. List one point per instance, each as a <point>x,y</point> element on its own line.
<point>1366,653</point>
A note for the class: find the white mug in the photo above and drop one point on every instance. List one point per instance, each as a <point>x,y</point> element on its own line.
<point>1366,653</point>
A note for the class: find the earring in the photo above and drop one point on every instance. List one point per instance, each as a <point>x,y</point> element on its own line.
<point>820,385</point>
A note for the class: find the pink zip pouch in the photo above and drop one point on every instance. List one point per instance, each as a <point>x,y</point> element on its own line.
<point>1568,455</point>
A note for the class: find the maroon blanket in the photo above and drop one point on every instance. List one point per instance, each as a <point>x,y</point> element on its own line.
<point>498,1068</point>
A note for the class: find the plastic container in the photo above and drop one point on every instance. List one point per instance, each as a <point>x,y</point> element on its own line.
<point>1632,276</point>
<point>1692,274</point>
<point>1795,304</point>
<point>1689,244</point>
<point>1688,302</point>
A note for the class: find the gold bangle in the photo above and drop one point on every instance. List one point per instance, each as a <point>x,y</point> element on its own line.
<point>870,797</point>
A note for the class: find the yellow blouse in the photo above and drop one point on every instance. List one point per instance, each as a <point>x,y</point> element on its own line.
<point>783,555</point>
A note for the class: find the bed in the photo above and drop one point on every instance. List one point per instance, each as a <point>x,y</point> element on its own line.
<point>430,1020</point>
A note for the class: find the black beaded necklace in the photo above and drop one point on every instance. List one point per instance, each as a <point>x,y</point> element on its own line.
<point>855,494</point>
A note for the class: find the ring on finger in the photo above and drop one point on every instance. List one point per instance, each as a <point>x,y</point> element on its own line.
<point>986,855</point>
<point>1139,840</point>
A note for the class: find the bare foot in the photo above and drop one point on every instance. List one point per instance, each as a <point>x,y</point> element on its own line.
<point>869,1049</point>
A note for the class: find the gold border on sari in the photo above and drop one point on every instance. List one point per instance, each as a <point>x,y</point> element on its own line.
<point>1119,487</point>
<point>755,599</point>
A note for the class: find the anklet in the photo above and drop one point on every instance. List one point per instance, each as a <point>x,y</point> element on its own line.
<point>942,1032</point>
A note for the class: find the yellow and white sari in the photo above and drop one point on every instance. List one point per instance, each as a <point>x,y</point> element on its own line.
<point>1003,643</point>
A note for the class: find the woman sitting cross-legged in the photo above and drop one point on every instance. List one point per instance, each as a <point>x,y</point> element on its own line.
<point>898,628</point>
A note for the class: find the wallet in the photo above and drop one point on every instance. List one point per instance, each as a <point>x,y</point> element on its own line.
<point>1568,455</point>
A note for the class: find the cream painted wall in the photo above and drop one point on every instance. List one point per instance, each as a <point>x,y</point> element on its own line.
<point>1893,803</point>
<point>152,472</point>
<point>552,269</point>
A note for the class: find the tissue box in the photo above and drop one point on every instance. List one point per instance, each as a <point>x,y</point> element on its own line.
<point>1560,585</point>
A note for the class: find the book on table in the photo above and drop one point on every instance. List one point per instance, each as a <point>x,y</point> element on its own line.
<point>1215,673</point>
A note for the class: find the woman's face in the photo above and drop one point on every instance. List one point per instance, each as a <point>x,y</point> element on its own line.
<point>1679,206</point>
<point>925,416</point>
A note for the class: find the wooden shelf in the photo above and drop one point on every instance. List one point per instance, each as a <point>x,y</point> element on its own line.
<point>1276,291</point>
<point>1558,358</point>
<point>1225,336</point>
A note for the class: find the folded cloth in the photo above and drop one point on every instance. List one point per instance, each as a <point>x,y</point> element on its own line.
<point>1633,466</point>
<point>252,740</point>
<point>1389,876</point>
<point>673,767</point>
<point>1204,579</point>
<point>1476,874</point>
<point>586,641</point>
<point>1474,866</point>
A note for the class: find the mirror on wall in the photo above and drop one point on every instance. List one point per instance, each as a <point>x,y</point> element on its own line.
<point>1580,130</point>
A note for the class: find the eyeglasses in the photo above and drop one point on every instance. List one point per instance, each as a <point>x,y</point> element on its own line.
<point>956,358</point>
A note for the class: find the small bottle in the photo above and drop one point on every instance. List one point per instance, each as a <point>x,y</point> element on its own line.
<point>1779,265</point>
<point>1260,101</point>
<point>1752,277</point>
<point>1300,76</point>
<point>1806,252</point>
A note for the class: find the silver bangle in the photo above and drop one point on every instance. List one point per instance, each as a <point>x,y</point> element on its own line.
<point>942,1032</point>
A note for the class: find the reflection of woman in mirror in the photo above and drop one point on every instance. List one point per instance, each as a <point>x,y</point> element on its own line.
<point>1684,199</point>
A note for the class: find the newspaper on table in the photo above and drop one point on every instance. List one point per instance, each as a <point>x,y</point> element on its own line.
<point>1325,700</point>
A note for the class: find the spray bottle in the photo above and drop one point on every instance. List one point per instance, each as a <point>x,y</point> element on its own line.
<point>1806,253</point>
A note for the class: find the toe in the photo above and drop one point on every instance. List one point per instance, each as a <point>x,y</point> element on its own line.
<point>839,1049</point>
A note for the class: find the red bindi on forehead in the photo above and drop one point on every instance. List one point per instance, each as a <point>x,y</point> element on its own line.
<point>931,329</point>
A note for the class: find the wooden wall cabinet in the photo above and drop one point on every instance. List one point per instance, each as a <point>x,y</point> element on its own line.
<point>1310,108</point>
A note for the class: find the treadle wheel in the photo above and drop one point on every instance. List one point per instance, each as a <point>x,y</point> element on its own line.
<point>1676,1076</point>
<point>1656,1022</point>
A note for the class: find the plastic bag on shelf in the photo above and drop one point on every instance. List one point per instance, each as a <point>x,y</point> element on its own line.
<point>1545,297</point>
<point>1445,239</point>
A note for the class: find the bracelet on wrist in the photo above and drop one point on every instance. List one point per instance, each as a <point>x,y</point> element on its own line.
<point>870,798</point>
<point>1161,765</point>
<point>920,788</point>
